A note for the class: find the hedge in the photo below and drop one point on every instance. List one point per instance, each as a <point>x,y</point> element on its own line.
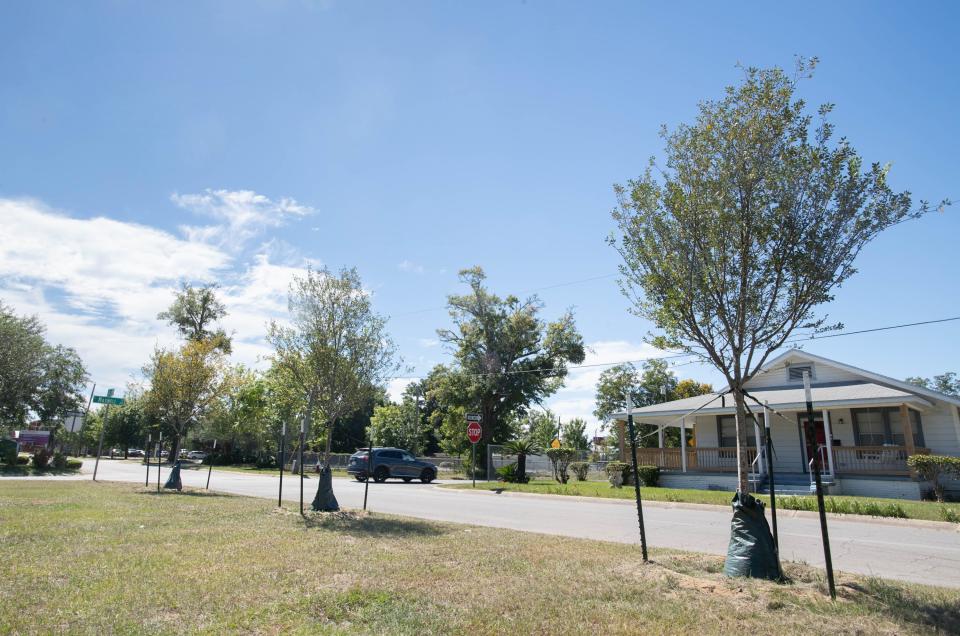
<point>933,468</point>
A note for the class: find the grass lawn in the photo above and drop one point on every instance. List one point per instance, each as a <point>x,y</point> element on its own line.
<point>116,558</point>
<point>928,510</point>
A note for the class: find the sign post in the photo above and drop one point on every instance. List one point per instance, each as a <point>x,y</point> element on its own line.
<point>146,454</point>
<point>107,399</point>
<point>813,452</point>
<point>283,439</point>
<point>210,466</point>
<point>303,435</point>
<point>474,433</point>
<point>636,477</point>
<point>159,459</point>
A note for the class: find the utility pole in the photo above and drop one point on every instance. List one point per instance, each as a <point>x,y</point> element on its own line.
<point>283,441</point>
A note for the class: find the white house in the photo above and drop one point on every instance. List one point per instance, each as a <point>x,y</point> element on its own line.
<point>866,426</point>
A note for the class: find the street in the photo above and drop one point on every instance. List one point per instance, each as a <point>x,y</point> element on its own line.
<point>914,551</point>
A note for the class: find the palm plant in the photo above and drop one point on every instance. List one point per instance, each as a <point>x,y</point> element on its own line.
<point>521,448</point>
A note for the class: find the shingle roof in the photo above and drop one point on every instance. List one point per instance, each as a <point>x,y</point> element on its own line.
<point>784,398</point>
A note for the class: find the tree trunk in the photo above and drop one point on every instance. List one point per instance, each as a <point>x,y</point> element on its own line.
<point>743,459</point>
<point>174,449</point>
<point>521,466</point>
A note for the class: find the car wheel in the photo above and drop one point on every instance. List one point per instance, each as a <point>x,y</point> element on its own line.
<point>427,476</point>
<point>408,479</point>
<point>380,475</point>
<point>360,477</point>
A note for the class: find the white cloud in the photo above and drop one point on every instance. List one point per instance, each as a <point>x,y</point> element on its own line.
<point>242,214</point>
<point>428,342</point>
<point>577,397</point>
<point>396,387</point>
<point>409,266</point>
<point>99,283</point>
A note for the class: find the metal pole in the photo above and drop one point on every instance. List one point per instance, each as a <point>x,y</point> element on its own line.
<point>283,439</point>
<point>303,431</point>
<point>159,459</point>
<point>366,479</point>
<point>146,454</point>
<point>773,490</point>
<point>636,479</point>
<point>473,463</point>
<point>103,427</point>
<point>815,464</point>
<point>210,466</point>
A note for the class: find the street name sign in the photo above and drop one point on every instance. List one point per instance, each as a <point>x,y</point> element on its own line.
<point>106,399</point>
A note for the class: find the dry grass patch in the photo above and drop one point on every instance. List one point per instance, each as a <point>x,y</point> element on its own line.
<point>116,558</point>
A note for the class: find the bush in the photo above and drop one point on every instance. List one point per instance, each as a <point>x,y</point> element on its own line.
<point>267,461</point>
<point>509,474</point>
<point>41,458</point>
<point>74,464</point>
<point>561,458</point>
<point>649,475</point>
<point>10,454</point>
<point>618,473</point>
<point>843,506</point>
<point>580,470</point>
<point>23,460</point>
<point>59,461</point>
<point>934,467</point>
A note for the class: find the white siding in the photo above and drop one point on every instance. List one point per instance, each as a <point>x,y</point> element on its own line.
<point>699,481</point>
<point>887,488</point>
<point>822,374</point>
<point>785,436</point>
<point>939,431</point>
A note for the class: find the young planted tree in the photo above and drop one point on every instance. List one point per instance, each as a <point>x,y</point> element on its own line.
<point>506,357</point>
<point>755,220</point>
<point>185,385</point>
<point>336,350</point>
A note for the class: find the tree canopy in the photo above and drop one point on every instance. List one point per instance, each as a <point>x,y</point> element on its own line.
<point>506,357</point>
<point>195,311</point>
<point>336,350</point>
<point>752,221</point>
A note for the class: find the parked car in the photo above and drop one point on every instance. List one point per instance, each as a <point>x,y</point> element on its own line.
<point>135,452</point>
<point>390,463</point>
<point>198,455</point>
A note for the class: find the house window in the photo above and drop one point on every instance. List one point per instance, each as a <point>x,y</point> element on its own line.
<point>881,426</point>
<point>727,432</point>
<point>795,372</point>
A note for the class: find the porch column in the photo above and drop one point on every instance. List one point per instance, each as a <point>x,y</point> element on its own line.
<point>660,436</point>
<point>907,424</point>
<point>683,445</point>
<point>622,435</point>
<point>828,439</point>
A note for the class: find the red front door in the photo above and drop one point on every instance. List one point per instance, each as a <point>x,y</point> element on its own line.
<point>820,436</point>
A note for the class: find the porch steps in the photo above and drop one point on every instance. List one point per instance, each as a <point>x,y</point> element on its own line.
<point>787,484</point>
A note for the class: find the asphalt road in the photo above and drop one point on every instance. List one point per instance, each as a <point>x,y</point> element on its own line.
<point>911,551</point>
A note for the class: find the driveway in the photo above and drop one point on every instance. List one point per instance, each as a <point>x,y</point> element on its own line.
<point>920,552</point>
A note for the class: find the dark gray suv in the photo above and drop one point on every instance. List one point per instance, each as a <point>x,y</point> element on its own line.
<point>391,462</point>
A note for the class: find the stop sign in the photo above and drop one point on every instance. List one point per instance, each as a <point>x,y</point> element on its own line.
<point>474,431</point>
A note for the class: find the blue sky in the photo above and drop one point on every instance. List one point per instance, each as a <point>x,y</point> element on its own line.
<point>142,144</point>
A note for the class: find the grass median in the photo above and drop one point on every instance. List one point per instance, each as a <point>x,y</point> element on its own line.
<point>868,506</point>
<point>79,557</point>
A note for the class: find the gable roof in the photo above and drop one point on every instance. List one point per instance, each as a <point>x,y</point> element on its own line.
<point>877,378</point>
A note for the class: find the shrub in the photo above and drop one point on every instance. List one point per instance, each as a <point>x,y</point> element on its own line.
<point>59,461</point>
<point>511,475</point>
<point>934,467</point>
<point>10,454</point>
<point>618,473</point>
<point>267,461</point>
<point>74,464</point>
<point>949,515</point>
<point>561,458</point>
<point>41,458</point>
<point>649,475</point>
<point>23,460</point>
<point>580,470</point>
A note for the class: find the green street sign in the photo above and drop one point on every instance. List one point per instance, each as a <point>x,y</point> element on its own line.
<point>105,399</point>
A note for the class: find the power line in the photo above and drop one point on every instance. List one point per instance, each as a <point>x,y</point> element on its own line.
<point>696,357</point>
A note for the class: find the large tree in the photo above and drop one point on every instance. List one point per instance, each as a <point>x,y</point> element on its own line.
<point>747,228</point>
<point>36,378</point>
<point>195,312</point>
<point>945,383</point>
<point>653,384</point>
<point>506,357</point>
<point>336,350</point>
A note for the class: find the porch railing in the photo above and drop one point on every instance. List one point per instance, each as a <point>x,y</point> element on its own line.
<point>872,460</point>
<point>867,460</point>
<point>699,458</point>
